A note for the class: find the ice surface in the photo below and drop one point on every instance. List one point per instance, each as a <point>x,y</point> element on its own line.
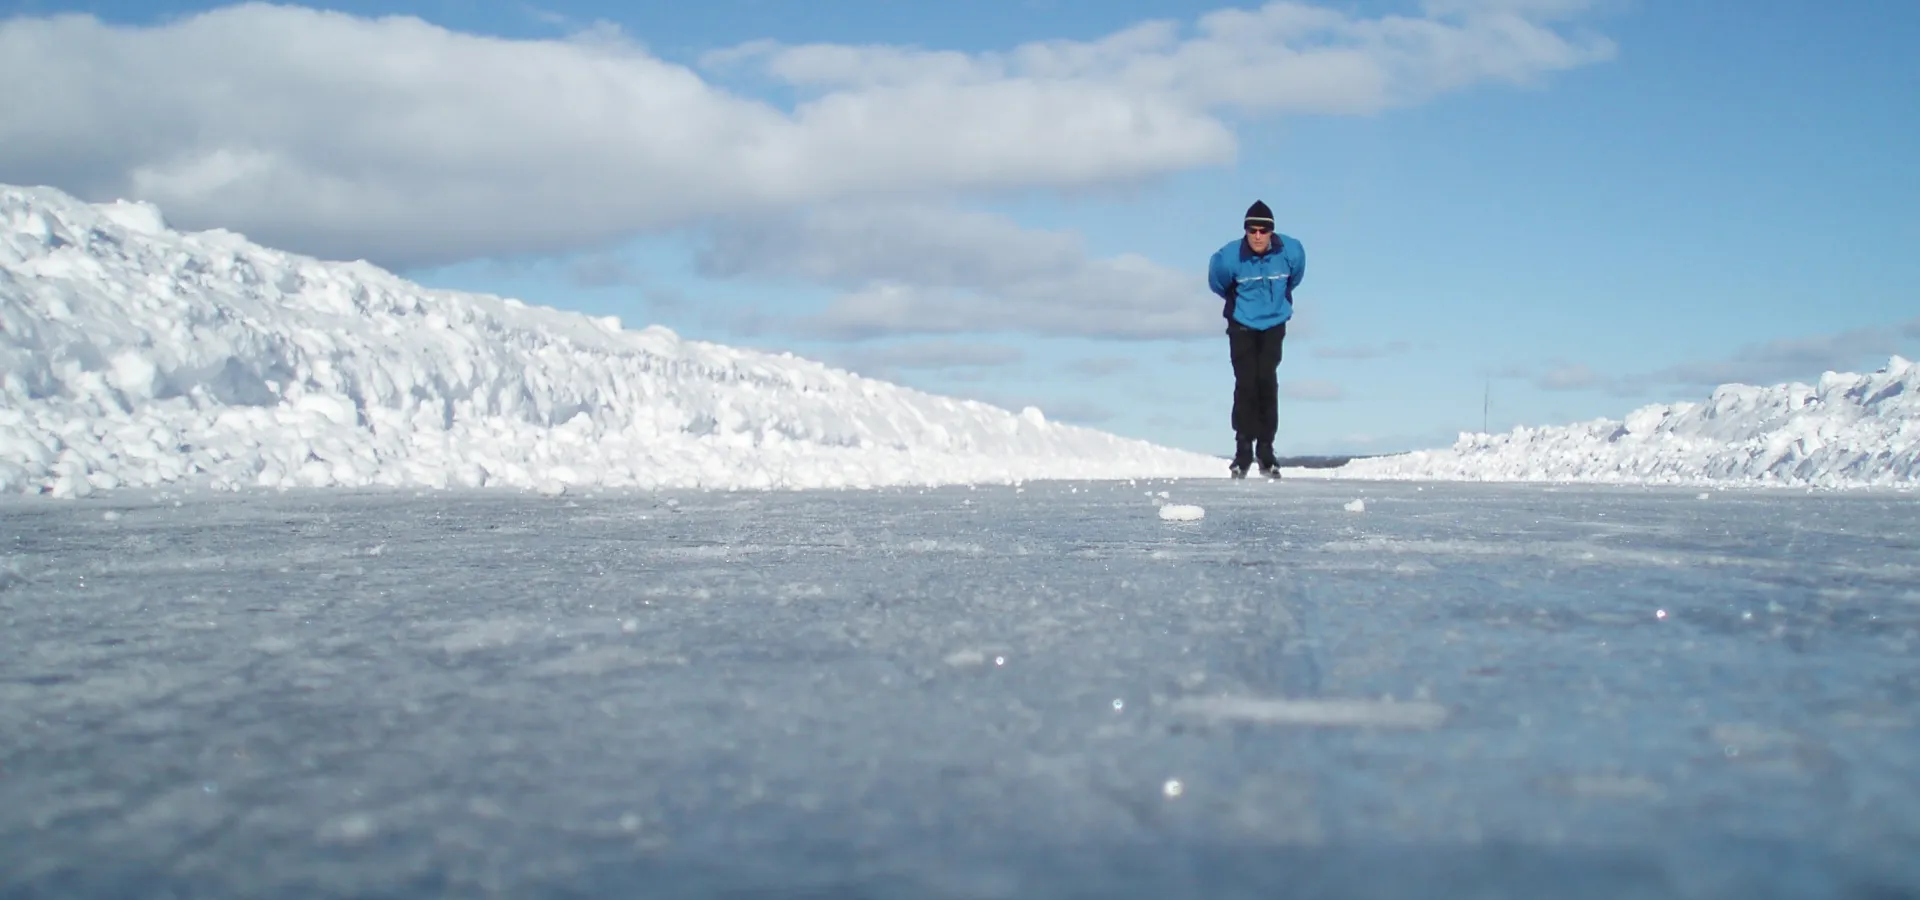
<point>1472,690</point>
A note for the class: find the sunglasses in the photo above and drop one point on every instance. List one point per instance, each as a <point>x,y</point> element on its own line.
<point>1259,229</point>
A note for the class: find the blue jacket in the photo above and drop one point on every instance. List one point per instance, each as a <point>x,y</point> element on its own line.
<point>1258,287</point>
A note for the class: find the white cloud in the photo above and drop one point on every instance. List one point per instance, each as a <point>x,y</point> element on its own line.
<point>549,18</point>
<point>406,143</point>
<point>848,246</point>
<point>922,270</point>
<point>1544,9</point>
<point>1281,57</point>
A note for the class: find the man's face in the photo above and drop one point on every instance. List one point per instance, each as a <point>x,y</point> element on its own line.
<point>1259,237</point>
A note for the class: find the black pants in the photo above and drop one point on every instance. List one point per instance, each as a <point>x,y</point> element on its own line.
<point>1256,387</point>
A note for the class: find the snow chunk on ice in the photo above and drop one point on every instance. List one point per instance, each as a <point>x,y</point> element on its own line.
<point>965,659</point>
<point>355,828</point>
<point>1357,506</point>
<point>1176,512</point>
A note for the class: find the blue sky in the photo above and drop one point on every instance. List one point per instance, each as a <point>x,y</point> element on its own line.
<point>1575,208</point>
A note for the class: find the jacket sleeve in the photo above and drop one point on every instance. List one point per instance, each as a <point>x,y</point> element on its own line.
<point>1299,267</point>
<point>1220,276</point>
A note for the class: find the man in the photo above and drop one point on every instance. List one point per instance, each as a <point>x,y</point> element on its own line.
<point>1256,275</point>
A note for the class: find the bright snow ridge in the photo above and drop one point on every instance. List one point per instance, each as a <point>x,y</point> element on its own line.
<point>1849,431</point>
<point>135,355</point>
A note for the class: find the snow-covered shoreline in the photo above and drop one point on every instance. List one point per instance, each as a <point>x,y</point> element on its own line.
<point>1848,431</point>
<point>134,355</point>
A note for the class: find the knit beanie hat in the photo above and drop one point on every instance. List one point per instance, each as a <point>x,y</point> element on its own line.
<point>1259,214</point>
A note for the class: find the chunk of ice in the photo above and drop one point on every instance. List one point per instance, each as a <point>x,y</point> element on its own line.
<point>1175,512</point>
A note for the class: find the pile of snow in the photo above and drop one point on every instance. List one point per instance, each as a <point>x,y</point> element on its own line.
<point>1851,430</point>
<point>134,355</point>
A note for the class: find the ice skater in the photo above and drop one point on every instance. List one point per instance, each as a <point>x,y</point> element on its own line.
<point>1256,276</point>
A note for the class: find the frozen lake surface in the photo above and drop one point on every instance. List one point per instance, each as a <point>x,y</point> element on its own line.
<point>1459,690</point>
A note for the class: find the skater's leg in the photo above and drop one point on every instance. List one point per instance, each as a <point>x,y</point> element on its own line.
<point>1243,349</point>
<point>1267,392</point>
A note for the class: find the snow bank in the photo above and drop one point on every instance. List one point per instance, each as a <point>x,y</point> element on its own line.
<point>1850,430</point>
<point>135,355</point>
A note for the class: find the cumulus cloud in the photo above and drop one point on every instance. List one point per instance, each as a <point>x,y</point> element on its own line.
<point>1307,58</point>
<point>923,270</point>
<point>1543,9</point>
<point>406,143</point>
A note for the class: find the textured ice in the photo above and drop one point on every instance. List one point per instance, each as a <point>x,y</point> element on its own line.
<point>1472,690</point>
